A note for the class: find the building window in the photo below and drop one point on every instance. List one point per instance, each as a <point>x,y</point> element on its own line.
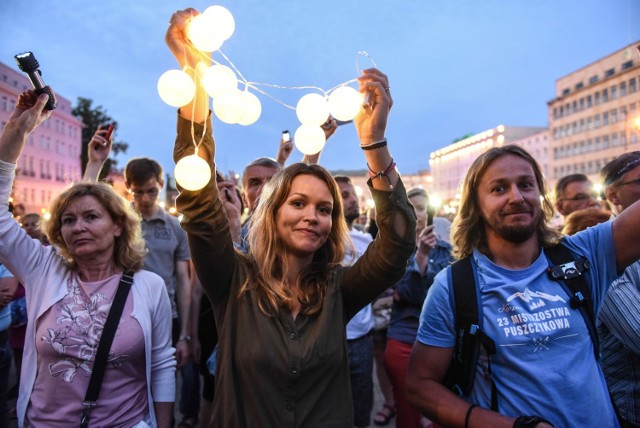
<point>623,89</point>
<point>632,85</point>
<point>581,104</point>
<point>605,118</point>
<point>566,91</point>
<point>597,120</point>
<point>614,139</point>
<point>589,103</point>
<point>593,79</point>
<point>610,72</point>
<point>626,65</point>
<point>605,95</point>
<point>614,92</point>
<point>597,98</point>
<point>614,116</point>
<point>3,103</point>
<point>579,85</point>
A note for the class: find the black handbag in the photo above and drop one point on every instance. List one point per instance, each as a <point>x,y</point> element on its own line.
<point>102,354</point>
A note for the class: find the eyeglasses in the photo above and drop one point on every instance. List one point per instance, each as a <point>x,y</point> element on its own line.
<point>634,181</point>
<point>140,193</point>
<point>582,197</point>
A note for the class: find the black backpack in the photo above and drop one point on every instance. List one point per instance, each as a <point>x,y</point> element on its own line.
<point>469,335</point>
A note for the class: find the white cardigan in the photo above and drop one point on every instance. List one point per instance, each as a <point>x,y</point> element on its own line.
<point>44,276</point>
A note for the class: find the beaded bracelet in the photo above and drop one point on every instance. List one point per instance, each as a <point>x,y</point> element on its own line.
<point>384,173</point>
<point>380,144</point>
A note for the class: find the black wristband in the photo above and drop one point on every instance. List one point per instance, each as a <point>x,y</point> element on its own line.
<point>373,146</point>
<point>468,416</point>
<point>529,422</point>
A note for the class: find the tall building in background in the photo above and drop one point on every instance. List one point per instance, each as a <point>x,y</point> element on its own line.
<point>594,116</point>
<point>450,164</point>
<point>51,156</point>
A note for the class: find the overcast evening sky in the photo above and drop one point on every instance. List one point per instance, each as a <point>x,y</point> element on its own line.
<point>455,66</point>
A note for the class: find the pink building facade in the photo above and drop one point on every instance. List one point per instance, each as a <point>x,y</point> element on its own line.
<point>51,156</point>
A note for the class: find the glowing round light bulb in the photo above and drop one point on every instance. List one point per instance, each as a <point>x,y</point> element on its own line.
<point>229,106</point>
<point>218,79</point>
<point>345,102</point>
<point>223,23</point>
<point>202,33</point>
<point>309,139</point>
<point>312,109</point>
<point>192,172</point>
<point>252,109</point>
<point>176,88</point>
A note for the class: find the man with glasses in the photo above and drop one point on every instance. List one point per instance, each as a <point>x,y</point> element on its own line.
<point>619,320</point>
<point>575,192</point>
<point>168,256</point>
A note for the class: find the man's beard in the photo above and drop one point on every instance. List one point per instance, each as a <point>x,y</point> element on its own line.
<point>351,217</point>
<point>518,233</point>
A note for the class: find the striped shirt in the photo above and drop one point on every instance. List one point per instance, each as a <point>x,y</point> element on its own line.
<point>619,331</point>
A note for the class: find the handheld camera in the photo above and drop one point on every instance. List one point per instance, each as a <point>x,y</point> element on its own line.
<point>28,63</point>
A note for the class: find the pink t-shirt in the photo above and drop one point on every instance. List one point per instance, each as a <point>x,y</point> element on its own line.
<point>67,337</point>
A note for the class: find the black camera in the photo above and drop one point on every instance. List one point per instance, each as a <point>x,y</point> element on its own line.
<point>28,63</point>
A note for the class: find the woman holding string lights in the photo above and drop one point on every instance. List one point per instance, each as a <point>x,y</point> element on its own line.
<point>281,309</point>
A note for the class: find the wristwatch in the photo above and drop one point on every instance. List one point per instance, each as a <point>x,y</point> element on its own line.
<point>184,339</point>
<point>529,422</point>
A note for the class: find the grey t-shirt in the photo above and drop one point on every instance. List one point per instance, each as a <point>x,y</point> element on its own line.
<point>166,245</point>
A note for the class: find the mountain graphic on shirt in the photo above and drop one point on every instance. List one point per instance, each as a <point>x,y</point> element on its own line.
<point>535,299</point>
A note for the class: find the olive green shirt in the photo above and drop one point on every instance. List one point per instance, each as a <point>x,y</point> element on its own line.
<point>277,371</point>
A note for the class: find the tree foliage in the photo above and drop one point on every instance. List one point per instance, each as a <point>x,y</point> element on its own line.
<point>93,118</point>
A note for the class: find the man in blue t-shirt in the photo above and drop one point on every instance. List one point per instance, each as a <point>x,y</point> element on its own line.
<point>544,369</point>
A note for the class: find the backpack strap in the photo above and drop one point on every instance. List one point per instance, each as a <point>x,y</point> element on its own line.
<point>570,271</point>
<point>469,335</point>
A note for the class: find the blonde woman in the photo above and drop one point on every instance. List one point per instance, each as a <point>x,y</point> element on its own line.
<point>70,286</point>
<point>281,309</point>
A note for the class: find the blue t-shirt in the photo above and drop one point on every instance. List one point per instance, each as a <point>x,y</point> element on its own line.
<point>5,313</point>
<point>544,363</point>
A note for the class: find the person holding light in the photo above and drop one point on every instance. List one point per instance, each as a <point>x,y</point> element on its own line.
<point>281,308</point>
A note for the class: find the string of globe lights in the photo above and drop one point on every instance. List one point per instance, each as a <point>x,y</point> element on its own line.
<point>207,32</point>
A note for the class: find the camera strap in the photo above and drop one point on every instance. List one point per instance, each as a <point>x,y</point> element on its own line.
<point>104,346</point>
<point>569,272</point>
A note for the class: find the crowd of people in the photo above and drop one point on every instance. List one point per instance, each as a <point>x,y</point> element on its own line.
<point>276,306</point>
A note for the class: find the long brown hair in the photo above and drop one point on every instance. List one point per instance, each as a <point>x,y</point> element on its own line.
<point>266,256</point>
<point>467,230</point>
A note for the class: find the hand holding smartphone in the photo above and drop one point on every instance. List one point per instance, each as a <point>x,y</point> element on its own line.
<point>431,212</point>
<point>110,127</point>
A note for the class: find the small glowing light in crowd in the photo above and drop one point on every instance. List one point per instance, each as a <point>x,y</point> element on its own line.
<point>192,172</point>
<point>221,20</point>
<point>598,188</point>
<point>176,88</point>
<point>345,103</point>
<point>358,190</point>
<point>370,204</point>
<point>162,204</point>
<point>313,109</point>
<point>252,109</point>
<point>229,106</point>
<point>218,79</point>
<point>10,199</point>
<point>435,201</point>
<point>500,128</point>
<point>201,31</point>
<point>172,210</point>
<point>500,139</point>
<point>309,139</point>
<point>46,216</point>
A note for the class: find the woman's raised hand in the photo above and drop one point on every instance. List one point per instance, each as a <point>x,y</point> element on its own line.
<point>26,116</point>
<point>371,122</point>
